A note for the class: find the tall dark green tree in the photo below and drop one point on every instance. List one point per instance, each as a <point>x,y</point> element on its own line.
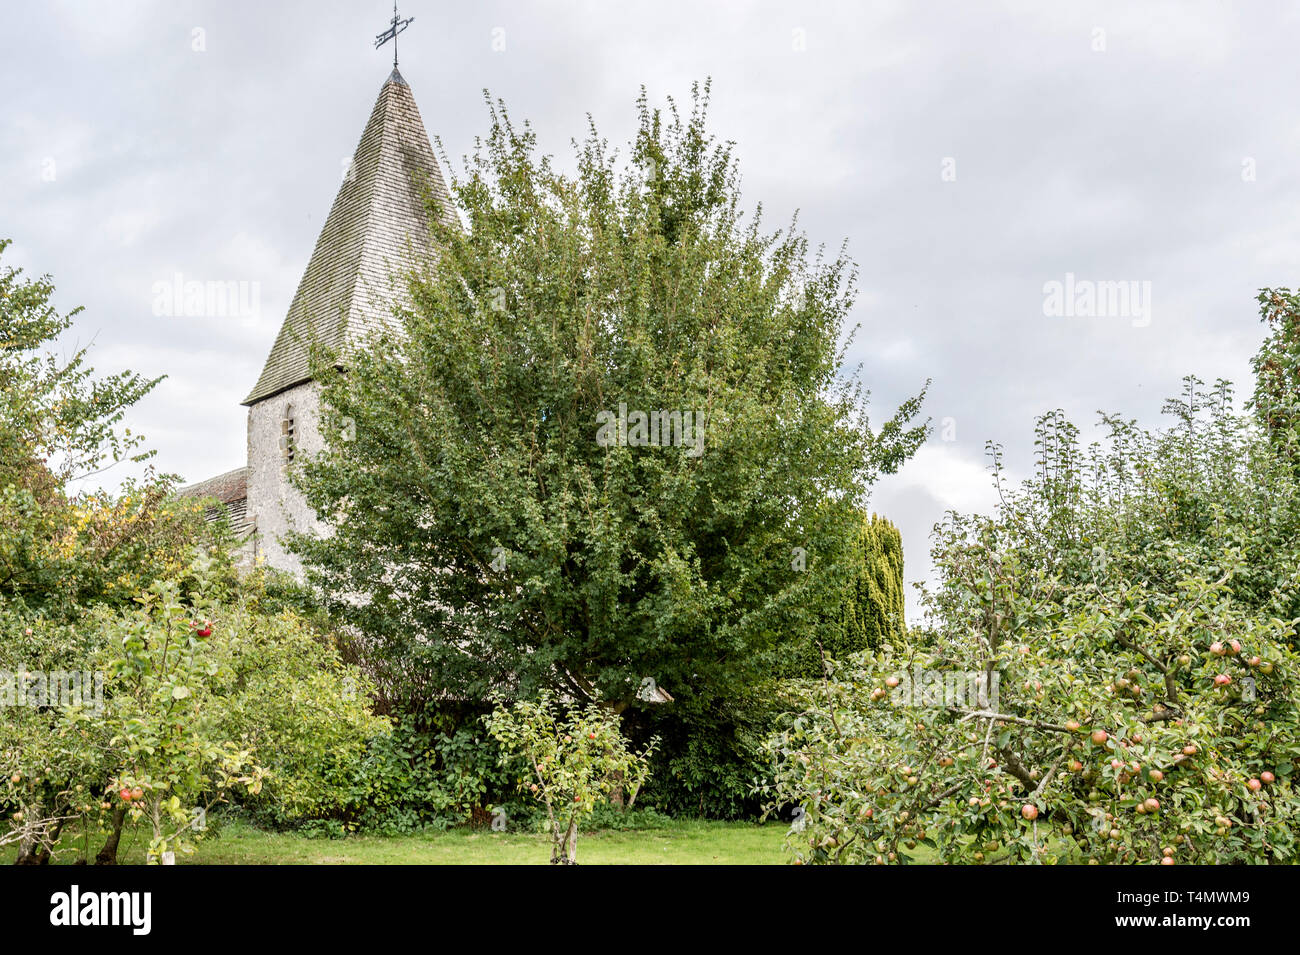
<point>496,503</point>
<point>877,599</point>
<point>869,612</point>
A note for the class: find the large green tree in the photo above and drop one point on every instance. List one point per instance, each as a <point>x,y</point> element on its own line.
<point>500,535</point>
<point>61,426</point>
<point>163,702</point>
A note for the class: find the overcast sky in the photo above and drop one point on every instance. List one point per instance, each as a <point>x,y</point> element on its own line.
<point>970,153</point>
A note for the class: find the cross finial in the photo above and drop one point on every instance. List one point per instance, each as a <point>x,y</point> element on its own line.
<point>395,27</point>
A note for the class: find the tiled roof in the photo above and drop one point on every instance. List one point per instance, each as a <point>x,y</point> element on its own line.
<point>377,223</point>
<point>226,488</point>
<point>231,489</point>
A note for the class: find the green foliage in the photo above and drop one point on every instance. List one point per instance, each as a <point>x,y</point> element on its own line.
<point>161,697</point>
<point>107,587</point>
<point>53,411</point>
<point>199,699</point>
<point>1160,506</point>
<point>708,760</point>
<point>474,477</point>
<point>61,552</point>
<point>868,613</point>
<point>875,613</point>
<point>1107,595</point>
<point>607,818</point>
<point>1277,368</point>
<point>420,776</point>
<point>307,715</point>
<point>571,760</point>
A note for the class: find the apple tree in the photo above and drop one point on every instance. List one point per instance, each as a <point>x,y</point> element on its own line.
<point>572,759</point>
<point>1109,672</point>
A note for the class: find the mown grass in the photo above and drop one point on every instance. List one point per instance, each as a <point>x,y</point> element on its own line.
<point>676,843</point>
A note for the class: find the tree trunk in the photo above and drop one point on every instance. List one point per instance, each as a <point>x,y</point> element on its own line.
<point>28,847</point>
<point>108,854</point>
<point>43,857</point>
<point>571,839</point>
<point>556,846</point>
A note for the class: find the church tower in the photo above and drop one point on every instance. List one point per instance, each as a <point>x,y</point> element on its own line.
<point>377,226</point>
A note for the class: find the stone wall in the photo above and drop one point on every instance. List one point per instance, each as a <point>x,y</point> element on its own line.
<point>273,502</point>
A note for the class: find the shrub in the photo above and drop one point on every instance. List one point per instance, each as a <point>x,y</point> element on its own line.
<point>199,699</point>
<point>438,771</point>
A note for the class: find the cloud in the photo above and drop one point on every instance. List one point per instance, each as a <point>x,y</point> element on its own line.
<point>1120,163</point>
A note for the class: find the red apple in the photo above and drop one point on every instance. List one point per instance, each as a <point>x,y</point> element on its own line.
<point>1156,775</point>
<point>1222,679</point>
<point>1217,648</point>
<point>1254,785</point>
<point>1266,776</point>
<point>1029,811</point>
<point>1099,737</point>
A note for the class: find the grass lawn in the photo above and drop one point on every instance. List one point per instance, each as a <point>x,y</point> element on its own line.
<point>679,843</point>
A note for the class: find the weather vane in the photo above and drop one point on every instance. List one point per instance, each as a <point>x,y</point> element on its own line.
<point>394,28</point>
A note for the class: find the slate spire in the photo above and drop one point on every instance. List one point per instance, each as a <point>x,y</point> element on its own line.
<point>377,224</point>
